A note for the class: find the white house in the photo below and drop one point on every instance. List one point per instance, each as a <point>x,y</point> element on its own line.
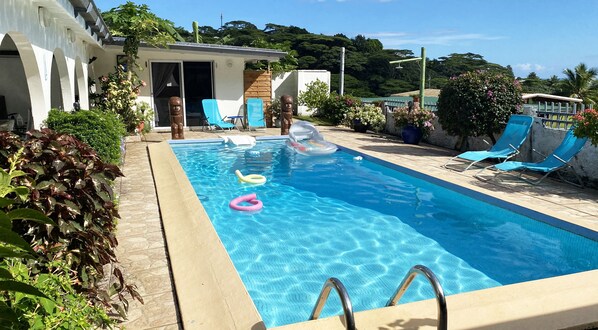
<point>50,48</point>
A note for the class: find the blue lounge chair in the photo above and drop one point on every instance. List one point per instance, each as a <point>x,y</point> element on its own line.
<point>558,160</point>
<point>210,110</point>
<point>255,113</point>
<point>506,147</point>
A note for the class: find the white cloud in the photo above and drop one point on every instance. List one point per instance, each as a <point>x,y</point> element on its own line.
<point>393,39</point>
<point>529,67</point>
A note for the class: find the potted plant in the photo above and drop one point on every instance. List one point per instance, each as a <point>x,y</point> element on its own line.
<point>145,116</point>
<point>364,117</point>
<point>416,123</point>
<point>273,112</point>
<point>586,125</point>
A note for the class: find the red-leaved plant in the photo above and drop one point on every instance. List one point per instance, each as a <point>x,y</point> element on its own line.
<point>72,186</point>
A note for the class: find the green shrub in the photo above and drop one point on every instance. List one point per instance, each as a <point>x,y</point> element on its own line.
<point>336,107</point>
<point>478,103</point>
<point>103,131</point>
<point>61,308</point>
<point>73,186</point>
<point>314,96</point>
<point>42,301</point>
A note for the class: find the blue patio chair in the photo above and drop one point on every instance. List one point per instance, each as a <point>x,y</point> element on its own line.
<point>558,160</point>
<point>210,110</point>
<point>255,113</point>
<point>506,147</point>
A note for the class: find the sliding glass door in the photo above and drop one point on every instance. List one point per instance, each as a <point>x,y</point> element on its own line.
<point>192,84</point>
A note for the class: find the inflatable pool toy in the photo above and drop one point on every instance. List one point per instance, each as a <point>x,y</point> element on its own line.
<point>305,139</point>
<point>256,204</point>
<point>251,178</point>
<point>239,140</point>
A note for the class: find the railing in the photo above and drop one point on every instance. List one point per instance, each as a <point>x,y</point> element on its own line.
<point>440,299</point>
<point>345,301</point>
<point>555,115</point>
<point>400,101</point>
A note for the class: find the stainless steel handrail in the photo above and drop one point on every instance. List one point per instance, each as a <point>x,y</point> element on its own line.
<point>345,301</point>
<point>440,299</point>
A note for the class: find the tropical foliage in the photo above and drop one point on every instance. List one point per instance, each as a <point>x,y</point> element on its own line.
<point>69,183</point>
<point>136,23</point>
<point>586,125</point>
<point>32,298</point>
<point>478,103</point>
<point>581,83</point>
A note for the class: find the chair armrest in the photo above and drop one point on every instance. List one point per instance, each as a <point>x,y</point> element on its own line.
<point>559,158</point>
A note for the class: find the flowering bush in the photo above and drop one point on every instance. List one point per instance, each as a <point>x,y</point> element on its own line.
<point>420,118</point>
<point>368,114</point>
<point>336,107</point>
<point>586,125</point>
<point>478,103</point>
<point>119,95</point>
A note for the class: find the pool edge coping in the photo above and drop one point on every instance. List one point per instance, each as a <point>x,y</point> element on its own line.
<point>564,288</point>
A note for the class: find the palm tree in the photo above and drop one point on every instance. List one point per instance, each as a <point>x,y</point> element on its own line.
<point>581,83</point>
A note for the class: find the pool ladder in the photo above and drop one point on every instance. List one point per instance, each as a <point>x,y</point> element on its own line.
<point>407,280</point>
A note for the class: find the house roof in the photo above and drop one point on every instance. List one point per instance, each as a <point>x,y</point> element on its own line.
<point>249,53</point>
<point>540,96</point>
<point>428,92</point>
<point>92,17</point>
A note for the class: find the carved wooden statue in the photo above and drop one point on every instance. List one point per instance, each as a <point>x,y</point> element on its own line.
<point>176,118</point>
<point>286,114</point>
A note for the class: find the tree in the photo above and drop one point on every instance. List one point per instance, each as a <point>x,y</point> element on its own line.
<point>581,83</point>
<point>533,84</point>
<point>136,23</point>
<point>477,103</point>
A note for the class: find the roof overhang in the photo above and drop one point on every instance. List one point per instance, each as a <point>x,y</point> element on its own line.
<point>248,53</point>
<point>80,18</point>
<point>551,97</point>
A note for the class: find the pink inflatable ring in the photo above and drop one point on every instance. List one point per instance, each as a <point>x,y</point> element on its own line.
<point>256,205</point>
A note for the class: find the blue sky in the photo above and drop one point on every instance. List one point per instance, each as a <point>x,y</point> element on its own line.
<point>543,36</point>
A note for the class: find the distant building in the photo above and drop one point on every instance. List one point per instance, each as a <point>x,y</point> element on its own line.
<point>533,98</point>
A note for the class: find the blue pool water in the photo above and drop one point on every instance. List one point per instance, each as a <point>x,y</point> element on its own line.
<point>365,224</point>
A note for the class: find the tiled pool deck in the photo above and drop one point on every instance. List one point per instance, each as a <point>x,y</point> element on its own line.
<point>142,250</point>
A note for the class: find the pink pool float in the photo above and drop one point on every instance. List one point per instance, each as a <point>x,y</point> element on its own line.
<point>256,204</point>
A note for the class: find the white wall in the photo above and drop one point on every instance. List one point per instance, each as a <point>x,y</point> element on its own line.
<point>292,83</point>
<point>36,45</point>
<point>284,84</point>
<point>228,86</point>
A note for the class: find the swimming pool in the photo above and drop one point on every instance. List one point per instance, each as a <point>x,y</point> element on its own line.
<point>369,226</point>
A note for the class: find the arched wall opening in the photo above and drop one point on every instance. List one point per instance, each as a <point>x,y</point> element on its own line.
<point>15,98</point>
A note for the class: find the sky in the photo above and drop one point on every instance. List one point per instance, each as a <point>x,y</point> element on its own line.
<point>541,36</point>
